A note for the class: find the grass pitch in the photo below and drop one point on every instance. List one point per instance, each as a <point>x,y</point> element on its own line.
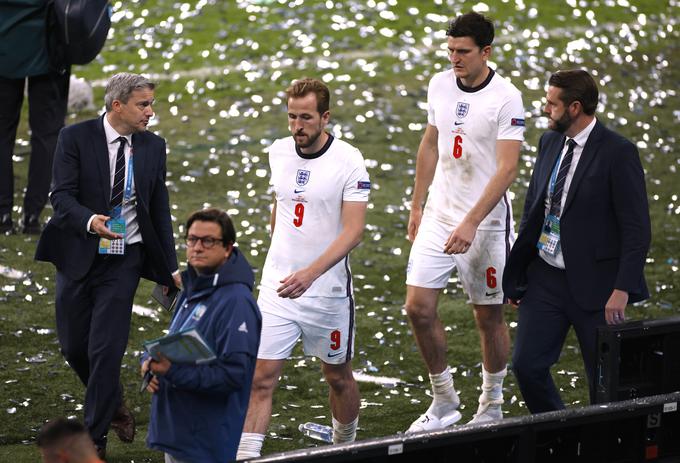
<point>222,68</point>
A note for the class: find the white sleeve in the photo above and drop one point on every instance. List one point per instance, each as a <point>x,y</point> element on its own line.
<point>270,150</point>
<point>273,164</point>
<point>511,118</point>
<point>89,222</point>
<point>358,184</point>
<point>430,108</point>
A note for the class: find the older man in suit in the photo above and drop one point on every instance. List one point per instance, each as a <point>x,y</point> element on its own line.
<point>111,226</point>
<point>579,256</point>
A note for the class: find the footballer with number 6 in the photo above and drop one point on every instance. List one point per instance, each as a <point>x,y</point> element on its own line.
<point>467,158</point>
<point>321,192</point>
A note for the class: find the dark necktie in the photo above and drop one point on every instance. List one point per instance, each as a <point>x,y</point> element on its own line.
<point>119,176</point>
<point>556,200</point>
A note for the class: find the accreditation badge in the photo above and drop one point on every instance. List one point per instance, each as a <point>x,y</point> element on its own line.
<point>549,241</point>
<point>116,225</point>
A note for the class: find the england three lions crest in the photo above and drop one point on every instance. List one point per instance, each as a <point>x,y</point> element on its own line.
<point>462,109</point>
<point>302,177</point>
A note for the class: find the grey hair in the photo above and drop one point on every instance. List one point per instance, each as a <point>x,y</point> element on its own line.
<point>121,86</point>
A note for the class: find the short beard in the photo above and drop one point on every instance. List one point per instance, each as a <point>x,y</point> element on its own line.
<point>312,140</point>
<point>563,123</point>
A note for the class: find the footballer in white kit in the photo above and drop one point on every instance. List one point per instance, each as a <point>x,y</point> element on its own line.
<point>309,192</point>
<point>469,122</point>
<point>466,161</point>
<point>321,191</point>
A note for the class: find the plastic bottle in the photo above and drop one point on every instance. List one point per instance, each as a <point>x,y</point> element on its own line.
<point>317,431</point>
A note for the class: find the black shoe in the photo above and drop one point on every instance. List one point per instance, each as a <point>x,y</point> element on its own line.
<point>31,225</point>
<point>123,424</point>
<point>6,224</point>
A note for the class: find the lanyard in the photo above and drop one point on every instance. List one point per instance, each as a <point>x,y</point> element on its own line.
<point>180,310</point>
<point>128,183</point>
<point>117,210</point>
<point>553,176</point>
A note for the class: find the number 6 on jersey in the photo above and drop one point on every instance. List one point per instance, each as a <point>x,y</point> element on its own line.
<point>299,214</point>
<point>457,147</point>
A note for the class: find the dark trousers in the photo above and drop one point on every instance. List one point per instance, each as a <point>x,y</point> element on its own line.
<point>546,312</point>
<point>47,100</point>
<point>93,324</point>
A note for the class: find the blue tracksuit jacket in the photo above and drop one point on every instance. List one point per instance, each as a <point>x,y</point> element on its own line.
<point>198,413</point>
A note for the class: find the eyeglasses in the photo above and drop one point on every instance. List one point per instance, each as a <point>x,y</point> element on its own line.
<point>206,241</point>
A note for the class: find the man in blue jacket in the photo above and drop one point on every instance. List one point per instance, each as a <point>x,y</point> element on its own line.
<point>197,411</point>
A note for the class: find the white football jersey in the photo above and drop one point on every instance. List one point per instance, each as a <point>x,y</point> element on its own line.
<point>470,122</point>
<point>309,192</point>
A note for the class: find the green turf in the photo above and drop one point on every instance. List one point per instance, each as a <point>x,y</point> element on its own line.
<point>219,105</point>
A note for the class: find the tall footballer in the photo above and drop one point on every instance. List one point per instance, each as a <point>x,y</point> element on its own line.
<point>321,192</point>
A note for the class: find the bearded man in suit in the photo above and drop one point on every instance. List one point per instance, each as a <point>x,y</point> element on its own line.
<point>580,253</point>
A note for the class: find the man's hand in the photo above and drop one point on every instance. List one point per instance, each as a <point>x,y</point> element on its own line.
<point>414,219</point>
<point>615,310</point>
<point>145,366</point>
<point>514,302</point>
<point>460,239</point>
<point>295,284</point>
<point>178,283</point>
<point>160,367</point>
<point>98,226</point>
<point>153,385</point>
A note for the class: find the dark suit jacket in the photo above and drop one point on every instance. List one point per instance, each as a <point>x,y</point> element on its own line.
<point>81,187</point>
<point>605,227</point>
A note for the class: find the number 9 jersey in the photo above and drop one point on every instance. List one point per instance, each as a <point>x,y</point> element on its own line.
<point>469,122</point>
<point>309,191</point>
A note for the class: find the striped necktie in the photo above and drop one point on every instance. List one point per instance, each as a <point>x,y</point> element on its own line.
<point>556,199</point>
<point>119,176</point>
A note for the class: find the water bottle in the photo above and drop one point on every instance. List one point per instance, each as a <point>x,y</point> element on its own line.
<point>317,431</point>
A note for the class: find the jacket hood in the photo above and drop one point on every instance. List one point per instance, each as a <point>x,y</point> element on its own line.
<point>235,270</point>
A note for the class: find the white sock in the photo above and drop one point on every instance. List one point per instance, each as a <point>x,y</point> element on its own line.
<point>344,432</point>
<point>492,386</point>
<point>445,397</point>
<point>250,445</point>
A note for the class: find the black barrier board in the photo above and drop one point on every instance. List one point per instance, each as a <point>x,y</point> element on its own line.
<point>640,430</point>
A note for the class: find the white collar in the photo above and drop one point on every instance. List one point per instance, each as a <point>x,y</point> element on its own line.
<point>112,135</point>
<point>582,137</point>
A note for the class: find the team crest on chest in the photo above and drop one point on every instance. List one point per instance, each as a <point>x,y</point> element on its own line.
<point>302,177</point>
<point>462,109</point>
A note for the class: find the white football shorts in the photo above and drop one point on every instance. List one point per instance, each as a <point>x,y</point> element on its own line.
<point>326,325</point>
<point>480,269</point>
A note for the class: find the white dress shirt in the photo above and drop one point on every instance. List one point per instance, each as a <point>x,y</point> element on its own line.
<point>581,138</point>
<point>129,212</point>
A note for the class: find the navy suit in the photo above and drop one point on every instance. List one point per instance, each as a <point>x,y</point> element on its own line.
<point>94,292</point>
<point>605,235</point>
